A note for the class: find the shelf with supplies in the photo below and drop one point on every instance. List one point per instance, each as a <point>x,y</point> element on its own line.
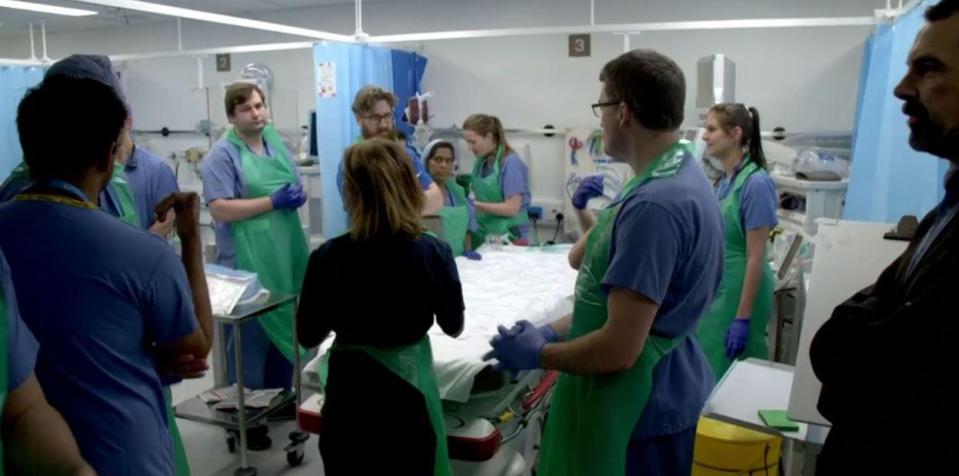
<point>822,200</point>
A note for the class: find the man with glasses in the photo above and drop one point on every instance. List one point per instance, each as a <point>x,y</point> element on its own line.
<point>373,108</point>
<point>634,378</point>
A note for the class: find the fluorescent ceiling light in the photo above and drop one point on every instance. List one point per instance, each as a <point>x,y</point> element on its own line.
<point>39,7</point>
<point>200,15</point>
<point>630,28</point>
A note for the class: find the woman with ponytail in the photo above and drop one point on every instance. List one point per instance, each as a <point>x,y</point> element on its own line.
<point>500,181</point>
<point>735,325</point>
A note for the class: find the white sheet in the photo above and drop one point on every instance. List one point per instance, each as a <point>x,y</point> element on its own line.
<point>506,286</point>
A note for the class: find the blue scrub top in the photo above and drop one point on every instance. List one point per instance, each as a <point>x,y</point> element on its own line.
<point>421,174</point>
<point>21,346</point>
<point>96,293</point>
<point>667,245</point>
<point>222,173</point>
<point>151,180</point>
<point>14,185</point>
<point>450,200</point>
<point>758,199</point>
<point>514,176</point>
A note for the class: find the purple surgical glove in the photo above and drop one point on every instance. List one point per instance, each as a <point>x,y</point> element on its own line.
<point>517,351</point>
<point>472,255</point>
<point>736,337</point>
<point>589,187</point>
<point>289,196</point>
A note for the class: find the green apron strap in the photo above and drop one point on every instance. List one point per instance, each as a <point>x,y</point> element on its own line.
<point>121,190</point>
<point>713,326</point>
<point>490,189</point>
<point>456,219</point>
<point>4,344</point>
<point>181,463</point>
<point>414,364</point>
<point>592,417</point>
<point>272,244</point>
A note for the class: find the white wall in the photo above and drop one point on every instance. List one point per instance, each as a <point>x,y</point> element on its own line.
<point>800,79</point>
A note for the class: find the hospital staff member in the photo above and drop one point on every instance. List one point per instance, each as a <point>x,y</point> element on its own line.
<point>887,357</point>
<point>138,197</point>
<point>112,306</point>
<point>150,180</point>
<point>500,181</point>
<point>458,214</point>
<point>634,378</point>
<point>117,198</point>
<point>383,413</point>
<point>253,190</point>
<point>735,326</point>
<point>373,109</point>
<point>35,439</point>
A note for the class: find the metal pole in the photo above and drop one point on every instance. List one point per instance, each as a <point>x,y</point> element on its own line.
<point>240,397</point>
<point>43,37</point>
<point>592,12</point>
<point>179,34</point>
<point>33,49</point>
<point>626,45</point>
<point>359,18</point>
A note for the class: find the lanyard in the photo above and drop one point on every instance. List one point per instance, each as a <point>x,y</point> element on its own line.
<point>77,197</point>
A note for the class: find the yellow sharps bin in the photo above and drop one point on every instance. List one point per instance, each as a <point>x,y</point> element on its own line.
<point>729,450</point>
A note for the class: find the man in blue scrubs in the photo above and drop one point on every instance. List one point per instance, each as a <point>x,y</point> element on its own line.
<point>649,268</point>
<point>109,304</point>
<point>151,180</point>
<point>36,440</point>
<point>373,109</point>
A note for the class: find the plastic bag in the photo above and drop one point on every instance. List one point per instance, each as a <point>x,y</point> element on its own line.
<point>818,161</point>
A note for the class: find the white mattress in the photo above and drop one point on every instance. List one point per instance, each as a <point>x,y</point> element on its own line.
<point>506,286</point>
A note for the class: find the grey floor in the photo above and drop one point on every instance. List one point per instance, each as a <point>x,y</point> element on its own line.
<point>208,454</point>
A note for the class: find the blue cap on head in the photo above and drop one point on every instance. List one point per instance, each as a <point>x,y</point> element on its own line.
<point>95,67</point>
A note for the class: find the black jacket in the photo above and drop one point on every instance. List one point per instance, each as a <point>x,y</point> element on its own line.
<point>888,359</point>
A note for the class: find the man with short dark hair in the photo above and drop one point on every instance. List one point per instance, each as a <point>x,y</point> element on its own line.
<point>109,303</point>
<point>634,377</point>
<point>887,357</point>
<point>373,109</point>
<point>253,190</point>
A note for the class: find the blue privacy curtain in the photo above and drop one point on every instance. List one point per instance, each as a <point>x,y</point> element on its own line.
<point>14,83</point>
<point>340,70</point>
<point>889,179</point>
<point>408,69</point>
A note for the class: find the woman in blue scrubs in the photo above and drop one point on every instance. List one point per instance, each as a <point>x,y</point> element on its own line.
<point>458,213</point>
<point>500,181</point>
<point>735,326</point>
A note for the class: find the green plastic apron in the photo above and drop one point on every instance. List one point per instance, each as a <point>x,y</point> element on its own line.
<point>456,220</point>
<point>121,190</point>
<point>713,327</point>
<point>271,244</point>
<point>179,451</point>
<point>414,364</point>
<point>592,418</point>
<point>3,365</point>
<point>490,189</point>
<point>118,186</point>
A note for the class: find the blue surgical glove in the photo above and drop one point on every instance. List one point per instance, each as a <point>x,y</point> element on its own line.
<point>589,187</point>
<point>736,337</point>
<point>516,352</point>
<point>289,196</point>
<point>472,255</point>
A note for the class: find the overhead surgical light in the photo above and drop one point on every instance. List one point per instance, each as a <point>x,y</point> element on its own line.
<point>42,8</point>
